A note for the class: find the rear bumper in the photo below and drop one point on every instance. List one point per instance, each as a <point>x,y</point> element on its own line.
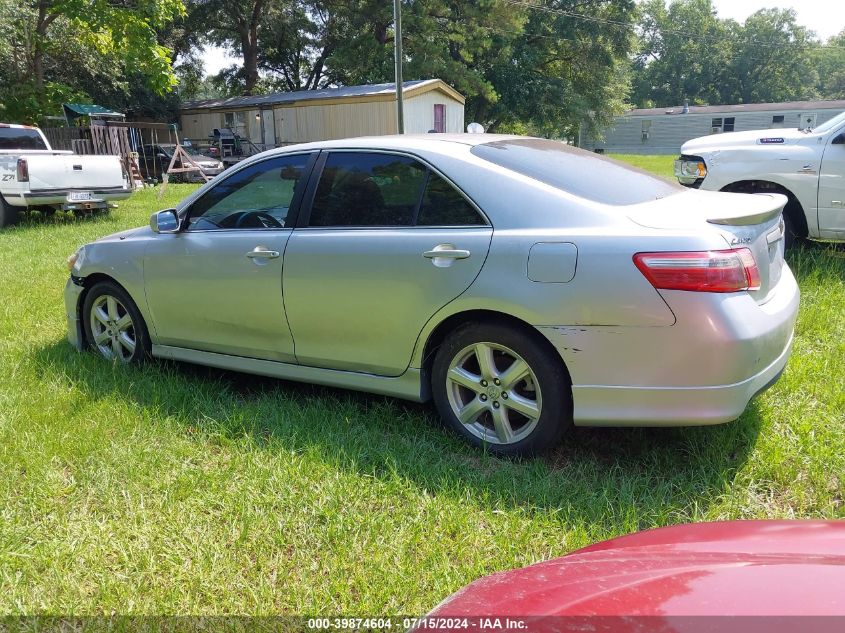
<point>672,406</point>
<point>99,197</point>
<point>722,350</point>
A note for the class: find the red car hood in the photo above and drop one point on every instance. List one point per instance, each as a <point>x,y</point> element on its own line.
<point>771,568</point>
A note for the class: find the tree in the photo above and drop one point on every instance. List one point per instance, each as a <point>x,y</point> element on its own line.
<point>236,24</point>
<point>685,53</point>
<point>830,62</point>
<point>546,66</point>
<point>773,60</point>
<point>57,48</point>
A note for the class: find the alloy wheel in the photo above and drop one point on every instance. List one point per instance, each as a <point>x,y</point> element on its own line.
<point>494,393</point>
<point>112,329</point>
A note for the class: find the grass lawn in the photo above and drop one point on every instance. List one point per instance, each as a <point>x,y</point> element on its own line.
<point>173,489</point>
<point>659,164</point>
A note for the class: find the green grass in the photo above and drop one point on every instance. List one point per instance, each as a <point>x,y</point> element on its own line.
<point>659,164</point>
<point>173,489</point>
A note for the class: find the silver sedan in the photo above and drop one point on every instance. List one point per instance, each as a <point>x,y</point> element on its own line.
<point>521,284</point>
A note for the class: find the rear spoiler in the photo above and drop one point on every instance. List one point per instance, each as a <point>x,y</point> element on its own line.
<point>760,217</point>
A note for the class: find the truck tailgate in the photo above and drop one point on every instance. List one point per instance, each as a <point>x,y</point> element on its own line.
<point>73,172</point>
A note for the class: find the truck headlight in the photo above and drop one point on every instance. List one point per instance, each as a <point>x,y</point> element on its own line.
<point>688,169</point>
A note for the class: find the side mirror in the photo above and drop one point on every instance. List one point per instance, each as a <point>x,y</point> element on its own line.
<point>839,140</point>
<point>165,221</point>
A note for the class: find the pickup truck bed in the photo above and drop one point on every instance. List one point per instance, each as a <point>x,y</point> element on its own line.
<point>34,176</point>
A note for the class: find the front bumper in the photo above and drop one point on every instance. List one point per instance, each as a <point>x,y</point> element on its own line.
<point>73,293</point>
<point>721,352</point>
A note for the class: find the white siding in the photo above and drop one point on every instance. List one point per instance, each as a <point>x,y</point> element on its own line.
<point>419,113</point>
<point>668,132</point>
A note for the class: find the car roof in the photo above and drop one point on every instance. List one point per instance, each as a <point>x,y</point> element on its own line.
<point>433,141</point>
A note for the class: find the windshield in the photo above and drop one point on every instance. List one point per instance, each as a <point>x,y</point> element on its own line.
<point>20,138</point>
<point>829,125</point>
<point>581,173</point>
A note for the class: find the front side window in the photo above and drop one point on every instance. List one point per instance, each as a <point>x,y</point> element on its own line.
<point>372,189</point>
<point>256,197</point>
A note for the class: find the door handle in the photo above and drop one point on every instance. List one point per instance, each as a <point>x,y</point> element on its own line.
<point>262,253</point>
<point>447,253</point>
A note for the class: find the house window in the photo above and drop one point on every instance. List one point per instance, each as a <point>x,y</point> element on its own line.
<point>807,120</point>
<point>777,120</point>
<point>439,117</point>
<point>646,130</point>
<point>716,126</point>
<point>729,124</point>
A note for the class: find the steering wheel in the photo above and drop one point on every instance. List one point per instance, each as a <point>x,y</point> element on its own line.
<point>266,220</point>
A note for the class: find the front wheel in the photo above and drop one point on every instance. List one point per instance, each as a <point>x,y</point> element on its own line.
<point>114,327</point>
<point>499,387</point>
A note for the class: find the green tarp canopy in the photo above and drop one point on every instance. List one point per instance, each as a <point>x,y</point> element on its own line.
<point>76,110</point>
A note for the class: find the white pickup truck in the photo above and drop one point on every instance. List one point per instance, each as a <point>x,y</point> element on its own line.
<point>34,176</point>
<point>808,166</point>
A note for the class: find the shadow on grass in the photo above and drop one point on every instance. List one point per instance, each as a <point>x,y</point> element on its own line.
<point>633,478</point>
<point>28,220</point>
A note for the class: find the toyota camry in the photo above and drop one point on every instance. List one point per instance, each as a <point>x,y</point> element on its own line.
<point>523,285</point>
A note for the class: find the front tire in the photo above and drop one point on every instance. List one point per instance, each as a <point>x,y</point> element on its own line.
<point>501,388</point>
<point>114,327</point>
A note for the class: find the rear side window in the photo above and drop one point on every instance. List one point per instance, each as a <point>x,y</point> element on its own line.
<point>376,189</point>
<point>367,189</point>
<point>18,138</point>
<point>442,205</point>
<point>583,174</point>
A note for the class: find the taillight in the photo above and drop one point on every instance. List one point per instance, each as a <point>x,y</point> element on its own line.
<point>701,271</point>
<point>23,170</point>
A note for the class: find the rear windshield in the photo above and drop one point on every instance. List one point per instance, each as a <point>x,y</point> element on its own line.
<point>576,171</point>
<point>20,138</point>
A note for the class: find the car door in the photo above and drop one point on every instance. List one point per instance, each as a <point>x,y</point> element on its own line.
<point>832,187</point>
<point>216,285</point>
<point>387,242</point>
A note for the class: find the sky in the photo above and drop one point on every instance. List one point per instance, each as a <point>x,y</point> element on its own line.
<point>825,17</point>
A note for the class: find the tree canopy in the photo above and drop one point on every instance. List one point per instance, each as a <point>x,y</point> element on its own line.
<point>533,66</point>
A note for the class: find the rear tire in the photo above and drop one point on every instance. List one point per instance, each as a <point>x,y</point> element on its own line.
<point>500,388</point>
<point>8,214</point>
<point>114,327</point>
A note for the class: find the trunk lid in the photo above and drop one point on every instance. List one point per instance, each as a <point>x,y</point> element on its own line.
<point>752,221</point>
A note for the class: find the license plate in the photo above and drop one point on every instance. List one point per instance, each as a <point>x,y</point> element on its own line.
<point>78,196</point>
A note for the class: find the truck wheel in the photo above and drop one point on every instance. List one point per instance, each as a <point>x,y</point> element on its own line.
<point>8,214</point>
